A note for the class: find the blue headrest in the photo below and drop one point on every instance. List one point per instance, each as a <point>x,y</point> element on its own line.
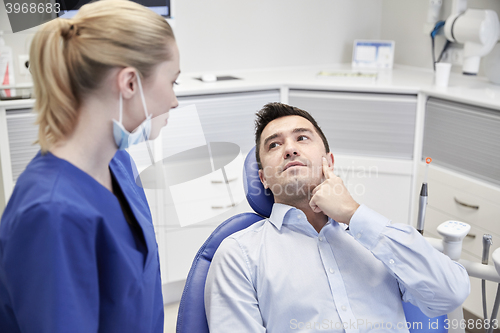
<point>260,199</point>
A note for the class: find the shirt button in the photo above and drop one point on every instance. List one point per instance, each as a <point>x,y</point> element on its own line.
<point>299,216</point>
<point>332,270</point>
<point>320,239</point>
<point>358,235</point>
<point>391,261</point>
<point>344,308</point>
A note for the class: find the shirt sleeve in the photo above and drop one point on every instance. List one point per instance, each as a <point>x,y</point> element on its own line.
<point>50,270</point>
<point>427,278</point>
<point>230,298</point>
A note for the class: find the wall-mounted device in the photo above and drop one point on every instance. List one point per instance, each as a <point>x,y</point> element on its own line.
<point>476,29</point>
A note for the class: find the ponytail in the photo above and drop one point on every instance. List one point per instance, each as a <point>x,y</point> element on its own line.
<point>55,101</point>
<point>70,58</point>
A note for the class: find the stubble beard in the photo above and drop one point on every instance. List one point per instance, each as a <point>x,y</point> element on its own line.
<point>294,192</point>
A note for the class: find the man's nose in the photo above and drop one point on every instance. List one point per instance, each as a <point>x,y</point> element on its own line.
<point>291,149</point>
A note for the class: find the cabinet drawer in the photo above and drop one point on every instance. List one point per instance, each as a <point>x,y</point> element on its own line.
<point>446,185</point>
<point>444,197</point>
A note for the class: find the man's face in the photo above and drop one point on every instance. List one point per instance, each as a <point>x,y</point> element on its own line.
<point>291,153</point>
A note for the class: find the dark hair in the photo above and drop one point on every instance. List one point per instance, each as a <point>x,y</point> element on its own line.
<point>272,111</point>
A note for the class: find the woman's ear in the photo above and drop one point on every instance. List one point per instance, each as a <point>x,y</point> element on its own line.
<point>127,78</point>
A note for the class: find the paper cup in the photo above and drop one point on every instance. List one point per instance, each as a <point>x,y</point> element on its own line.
<point>442,74</point>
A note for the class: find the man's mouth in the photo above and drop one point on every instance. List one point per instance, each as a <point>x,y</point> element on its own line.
<point>293,164</point>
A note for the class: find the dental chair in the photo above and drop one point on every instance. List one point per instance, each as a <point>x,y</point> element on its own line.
<point>192,318</point>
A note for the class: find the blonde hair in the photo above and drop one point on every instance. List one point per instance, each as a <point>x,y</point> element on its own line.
<point>69,58</point>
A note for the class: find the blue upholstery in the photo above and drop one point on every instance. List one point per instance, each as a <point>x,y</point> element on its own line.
<point>261,200</point>
<point>417,322</point>
<point>192,318</point>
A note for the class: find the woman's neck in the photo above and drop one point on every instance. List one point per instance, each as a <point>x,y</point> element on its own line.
<point>90,147</point>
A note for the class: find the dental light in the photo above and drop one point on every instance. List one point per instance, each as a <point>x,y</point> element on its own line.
<point>478,30</point>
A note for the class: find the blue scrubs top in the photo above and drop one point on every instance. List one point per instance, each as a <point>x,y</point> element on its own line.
<point>69,262</point>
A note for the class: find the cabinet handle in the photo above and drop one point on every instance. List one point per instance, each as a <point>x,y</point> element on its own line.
<point>222,182</point>
<point>222,207</point>
<point>465,204</point>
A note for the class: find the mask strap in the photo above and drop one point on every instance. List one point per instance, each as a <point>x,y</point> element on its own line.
<point>121,108</point>
<point>142,95</point>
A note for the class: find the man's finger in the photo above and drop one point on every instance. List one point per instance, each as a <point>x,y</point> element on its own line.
<point>314,207</point>
<point>326,170</point>
<point>315,189</point>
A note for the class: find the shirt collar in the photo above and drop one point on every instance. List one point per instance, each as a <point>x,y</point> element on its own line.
<point>278,214</point>
<point>281,214</point>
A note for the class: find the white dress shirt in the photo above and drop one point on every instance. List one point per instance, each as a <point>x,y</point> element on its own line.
<point>281,275</point>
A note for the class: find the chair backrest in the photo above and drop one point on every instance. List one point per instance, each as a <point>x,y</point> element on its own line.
<point>192,317</point>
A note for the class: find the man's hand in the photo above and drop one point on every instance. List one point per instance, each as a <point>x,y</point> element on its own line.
<point>332,198</point>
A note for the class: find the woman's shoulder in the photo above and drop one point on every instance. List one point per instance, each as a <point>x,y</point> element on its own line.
<point>49,183</point>
<point>37,182</point>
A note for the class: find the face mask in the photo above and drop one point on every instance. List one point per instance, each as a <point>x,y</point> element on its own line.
<point>124,138</point>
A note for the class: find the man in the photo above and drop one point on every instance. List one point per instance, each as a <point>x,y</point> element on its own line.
<point>321,262</point>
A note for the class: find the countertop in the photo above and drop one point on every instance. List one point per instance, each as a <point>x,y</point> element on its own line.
<point>400,80</point>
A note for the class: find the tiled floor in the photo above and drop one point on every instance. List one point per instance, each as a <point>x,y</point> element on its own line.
<point>170,317</point>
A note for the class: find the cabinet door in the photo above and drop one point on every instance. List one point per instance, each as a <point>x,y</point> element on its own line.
<point>22,133</point>
<point>463,138</point>
<point>377,125</point>
<point>230,117</point>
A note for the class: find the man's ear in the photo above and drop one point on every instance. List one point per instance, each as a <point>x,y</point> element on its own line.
<point>330,159</point>
<point>262,179</point>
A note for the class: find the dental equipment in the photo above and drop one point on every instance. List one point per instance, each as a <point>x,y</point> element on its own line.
<point>453,233</point>
<point>496,260</point>
<point>477,29</point>
<point>423,199</point>
<point>484,260</point>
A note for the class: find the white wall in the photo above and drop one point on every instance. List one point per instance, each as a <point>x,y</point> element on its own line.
<point>225,35</point>
<point>403,21</point>
<point>220,35</point>
<point>229,34</point>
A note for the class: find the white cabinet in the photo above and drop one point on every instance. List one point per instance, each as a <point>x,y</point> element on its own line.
<point>464,178</point>
<point>371,137</point>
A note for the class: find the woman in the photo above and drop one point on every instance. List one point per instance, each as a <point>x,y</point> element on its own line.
<point>77,245</point>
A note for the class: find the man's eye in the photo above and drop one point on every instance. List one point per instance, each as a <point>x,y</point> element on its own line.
<point>302,137</point>
<point>272,145</point>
